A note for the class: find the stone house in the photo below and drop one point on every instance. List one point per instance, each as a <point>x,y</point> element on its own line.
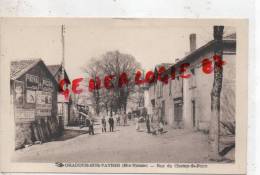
<point>185,102</point>
<point>157,96</point>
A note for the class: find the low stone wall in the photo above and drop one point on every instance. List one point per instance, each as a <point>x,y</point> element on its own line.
<point>23,135</point>
<point>42,130</point>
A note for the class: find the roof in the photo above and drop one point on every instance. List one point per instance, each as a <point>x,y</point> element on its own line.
<point>18,68</point>
<point>54,69</point>
<point>207,47</point>
<point>166,65</point>
<point>230,36</point>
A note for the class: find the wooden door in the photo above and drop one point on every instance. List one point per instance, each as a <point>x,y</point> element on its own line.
<point>178,111</point>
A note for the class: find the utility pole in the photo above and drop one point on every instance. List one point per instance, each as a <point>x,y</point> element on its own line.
<point>63,48</point>
<point>215,95</point>
<point>62,68</point>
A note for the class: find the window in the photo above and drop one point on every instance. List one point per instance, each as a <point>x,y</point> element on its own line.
<point>178,109</point>
<point>159,89</point>
<point>170,88</point>
<point>153,103</point>
<point>192,79</point>
<point>192,71</point>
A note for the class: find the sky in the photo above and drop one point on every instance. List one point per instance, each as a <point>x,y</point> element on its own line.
<point>150,41</point>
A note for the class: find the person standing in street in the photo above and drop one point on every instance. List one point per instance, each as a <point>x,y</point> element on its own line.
<point>137,127</point>
<point>104,123</point>
<point>117,116</point>
<point>125,118</point>
<point>111,124</point>
<point>148,124</point>
<point>91,127</point>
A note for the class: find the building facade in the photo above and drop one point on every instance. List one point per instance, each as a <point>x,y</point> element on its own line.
<point>34,100</point>
<point>64,105</point>
<point>186,102</point>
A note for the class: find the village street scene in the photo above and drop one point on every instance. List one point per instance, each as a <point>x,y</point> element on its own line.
<point>144,93</point>
<point>125,144</point>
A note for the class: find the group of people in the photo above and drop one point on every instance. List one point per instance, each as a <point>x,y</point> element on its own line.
<point>111,122</point>
<point>104,124</point>
<point>153,128</point>
<point>87,120</point>
<point>120,116</point>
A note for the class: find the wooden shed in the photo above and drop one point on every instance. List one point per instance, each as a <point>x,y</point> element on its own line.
<point>34,100</point>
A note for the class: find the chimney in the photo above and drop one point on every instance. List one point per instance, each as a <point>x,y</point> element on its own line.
<point>192,42</point>
<point>218,36</point>
<point>218,32</point>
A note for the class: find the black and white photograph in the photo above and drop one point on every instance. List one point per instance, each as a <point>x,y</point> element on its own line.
<point>131,91</point>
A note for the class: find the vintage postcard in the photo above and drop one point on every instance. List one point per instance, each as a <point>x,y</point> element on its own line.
<point>102,95</point>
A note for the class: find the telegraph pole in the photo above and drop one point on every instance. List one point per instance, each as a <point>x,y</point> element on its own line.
<point>215,95</point>
<point>63,49</point>
<point>62,67</point>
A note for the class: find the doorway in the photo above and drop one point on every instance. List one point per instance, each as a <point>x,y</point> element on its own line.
<point>163,111</point>
<point>178,104</point>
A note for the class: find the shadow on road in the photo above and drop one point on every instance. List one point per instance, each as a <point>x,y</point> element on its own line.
<point>69,134</point>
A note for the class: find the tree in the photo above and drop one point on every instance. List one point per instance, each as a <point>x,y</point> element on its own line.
<point>94,72</point>
<point>111,80</point>
<point>123,68</point>
<point>215,95</point>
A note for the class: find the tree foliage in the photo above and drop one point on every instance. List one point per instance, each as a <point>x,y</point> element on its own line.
<point>121,69</point>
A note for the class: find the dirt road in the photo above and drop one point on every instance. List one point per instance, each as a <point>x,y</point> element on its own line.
<point>123,145</point>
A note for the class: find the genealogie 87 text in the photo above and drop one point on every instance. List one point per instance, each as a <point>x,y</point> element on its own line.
<point>123,79</point>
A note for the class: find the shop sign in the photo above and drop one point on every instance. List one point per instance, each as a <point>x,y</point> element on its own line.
<point>43,111</point>
<point>18,94</point>
<point>43,103</point>
<point>32,82</point>
<point>47,85</point>
<point>24,115</point>
<point>30,96</point>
